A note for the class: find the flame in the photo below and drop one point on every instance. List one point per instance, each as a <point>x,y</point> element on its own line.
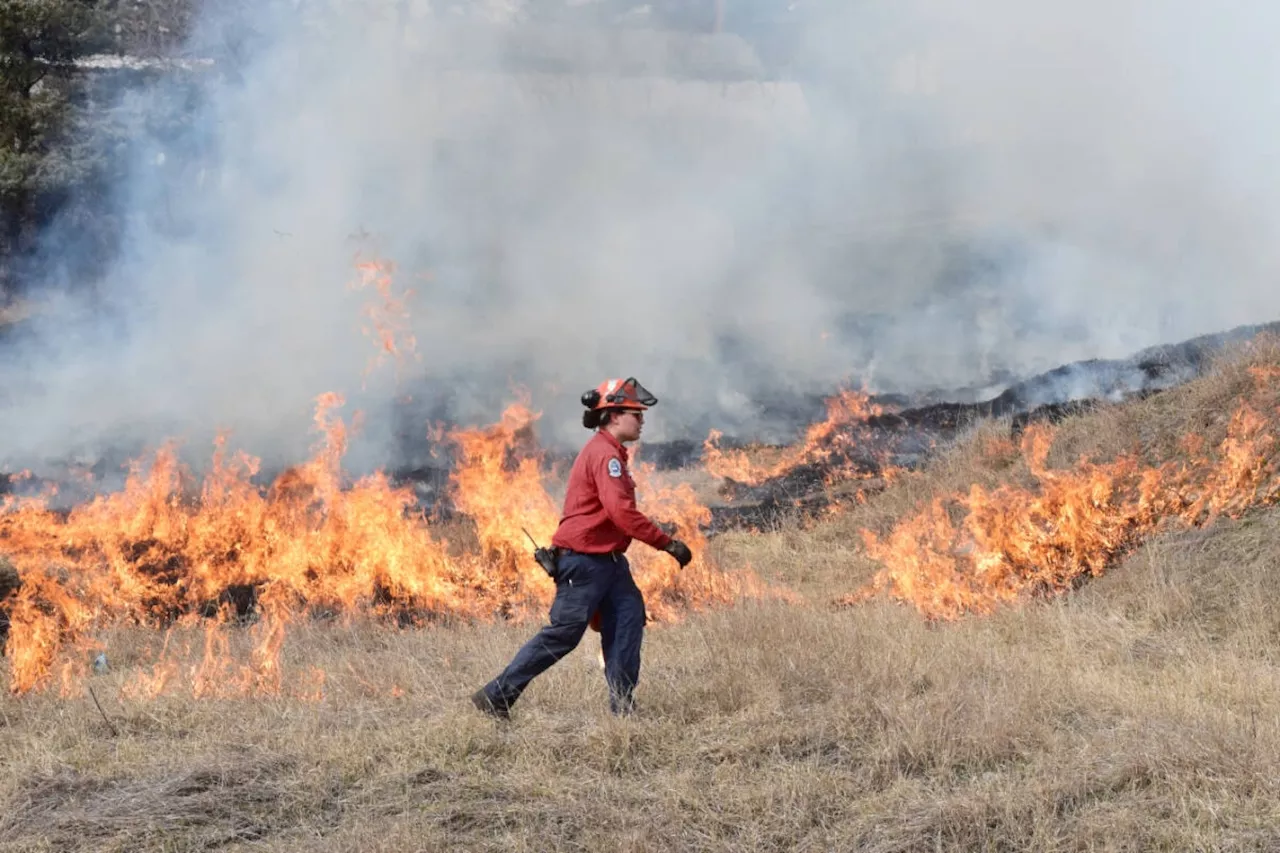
<point>822,440</point>
<point>197,558</point>
<point>498,485</point>
<point>972,553</point>
<point>668,589</point>
<point>388,315</point>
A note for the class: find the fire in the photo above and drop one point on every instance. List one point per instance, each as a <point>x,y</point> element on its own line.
<point>498,485</point>
<point>198,557</point>
<point>166,549</point>
<point>821,442</point>
<point>971,553</point>
<point>668,589</point>
<point>388,316</point>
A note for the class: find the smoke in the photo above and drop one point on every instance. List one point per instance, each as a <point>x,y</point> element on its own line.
<point>926,197</point>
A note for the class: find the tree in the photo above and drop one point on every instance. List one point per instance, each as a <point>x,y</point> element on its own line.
<point>40,41</point>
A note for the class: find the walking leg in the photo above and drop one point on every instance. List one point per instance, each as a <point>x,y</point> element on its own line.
<point>580,587</point>
<point>621,635</point>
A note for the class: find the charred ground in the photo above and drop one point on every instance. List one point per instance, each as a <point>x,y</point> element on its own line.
<point>912,428</point>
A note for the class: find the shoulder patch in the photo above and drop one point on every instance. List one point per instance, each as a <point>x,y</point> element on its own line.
<point>615,467</point>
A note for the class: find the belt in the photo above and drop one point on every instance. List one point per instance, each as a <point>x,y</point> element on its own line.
<point>612,555</point>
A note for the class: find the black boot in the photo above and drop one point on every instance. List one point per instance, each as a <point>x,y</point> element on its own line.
<point>485,705</point>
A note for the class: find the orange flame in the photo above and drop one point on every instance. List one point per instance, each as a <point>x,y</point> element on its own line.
<point>166,551</point>
<point>972,553</point>
<point>820,442</point>
<point>668,589</point>
<point>197,558</point>
<point>498,485</point>
<point>388,317</point>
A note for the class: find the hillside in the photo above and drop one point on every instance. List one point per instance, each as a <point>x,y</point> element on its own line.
<point>1109,683</point>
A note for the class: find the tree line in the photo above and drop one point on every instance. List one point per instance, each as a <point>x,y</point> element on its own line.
<point>56,157</point>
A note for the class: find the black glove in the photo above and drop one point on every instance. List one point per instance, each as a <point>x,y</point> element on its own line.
<point>680,551</point>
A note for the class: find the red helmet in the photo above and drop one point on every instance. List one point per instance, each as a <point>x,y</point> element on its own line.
<point>619,394</point>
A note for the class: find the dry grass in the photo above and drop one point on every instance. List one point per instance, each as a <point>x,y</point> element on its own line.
<point>1142,712</point>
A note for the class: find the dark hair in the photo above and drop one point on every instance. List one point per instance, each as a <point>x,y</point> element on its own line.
<point>596,418</point>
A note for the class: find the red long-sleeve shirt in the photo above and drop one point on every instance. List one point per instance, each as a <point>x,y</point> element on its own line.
<point>600,512</point>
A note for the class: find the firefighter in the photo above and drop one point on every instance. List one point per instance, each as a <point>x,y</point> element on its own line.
<point>592,575</point>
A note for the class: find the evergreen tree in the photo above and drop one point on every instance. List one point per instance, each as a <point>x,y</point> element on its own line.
<point>40,41</point>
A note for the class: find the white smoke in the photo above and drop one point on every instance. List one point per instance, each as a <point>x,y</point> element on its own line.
<point>937,195</point>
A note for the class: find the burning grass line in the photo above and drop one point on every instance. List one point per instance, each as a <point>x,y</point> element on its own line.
<point>974,552</point>
<point>822,441</point>
<point>170,551</point>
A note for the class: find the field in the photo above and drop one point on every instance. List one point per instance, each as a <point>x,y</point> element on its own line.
<point>1137,709</point>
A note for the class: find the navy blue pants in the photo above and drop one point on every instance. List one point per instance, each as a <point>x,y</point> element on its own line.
<point>585,583</point>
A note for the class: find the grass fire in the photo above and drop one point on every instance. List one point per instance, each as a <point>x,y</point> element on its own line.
<point>1046,530</point>
<point>939,508</point>
<point>1127,545</point>
<point>171,551</point>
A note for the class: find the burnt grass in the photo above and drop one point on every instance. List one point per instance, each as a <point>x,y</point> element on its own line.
<point>857,459</point>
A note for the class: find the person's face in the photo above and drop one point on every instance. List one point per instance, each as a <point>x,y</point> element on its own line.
<point>627,425</point>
